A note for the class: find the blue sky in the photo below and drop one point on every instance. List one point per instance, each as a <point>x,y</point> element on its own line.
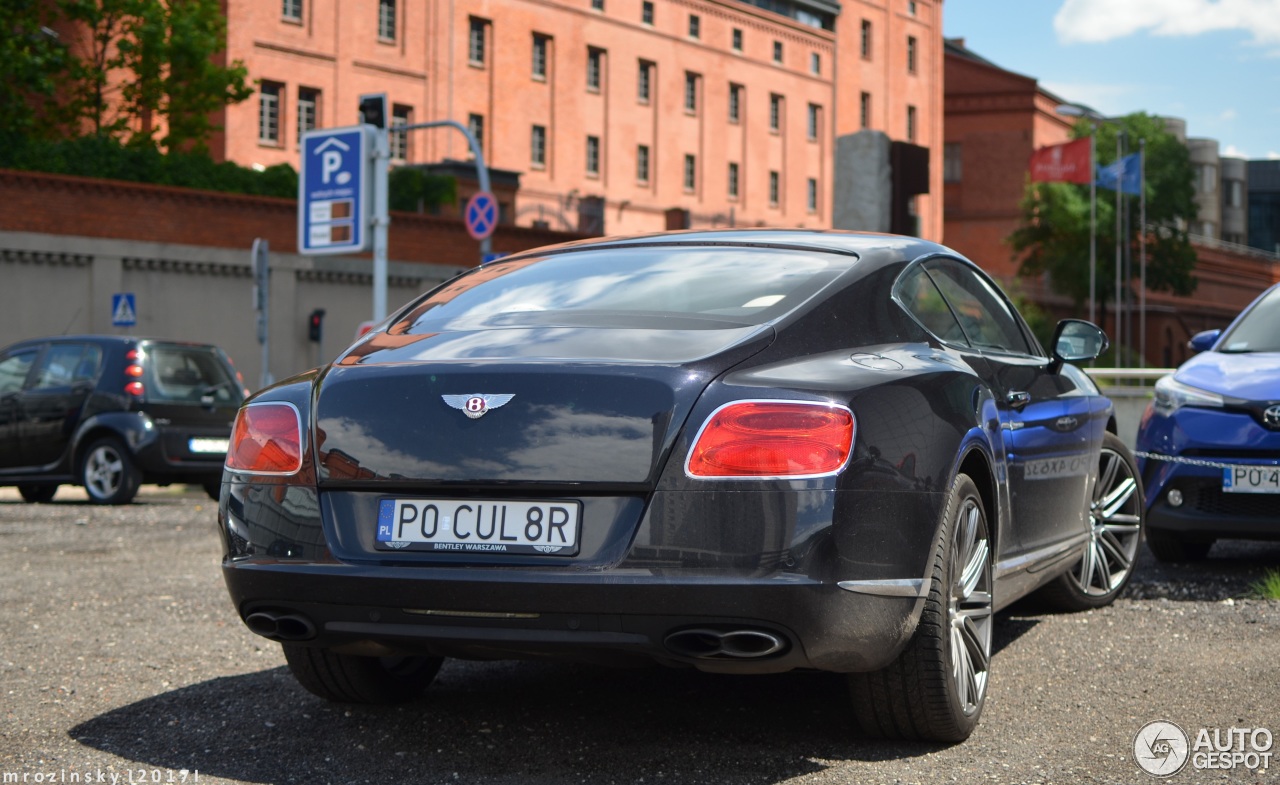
<point>1214,63</point>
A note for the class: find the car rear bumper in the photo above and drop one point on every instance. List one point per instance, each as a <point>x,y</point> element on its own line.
<point>611,616</point>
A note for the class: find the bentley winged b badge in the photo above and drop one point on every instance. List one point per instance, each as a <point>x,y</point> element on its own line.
<point>475,406</point>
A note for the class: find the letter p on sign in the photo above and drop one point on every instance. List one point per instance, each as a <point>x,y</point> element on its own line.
<point>330,162</point>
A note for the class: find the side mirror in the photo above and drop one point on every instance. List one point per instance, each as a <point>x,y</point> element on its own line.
<point>1203,342</point>
<point>1076,340</point>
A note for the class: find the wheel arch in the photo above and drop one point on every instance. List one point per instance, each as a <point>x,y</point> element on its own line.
<point>977,465</point>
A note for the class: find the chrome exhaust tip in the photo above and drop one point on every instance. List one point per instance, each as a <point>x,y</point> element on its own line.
<point>281,627</point>
<point>737,644</point>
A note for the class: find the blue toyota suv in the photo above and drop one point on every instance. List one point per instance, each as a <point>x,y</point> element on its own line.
<point>1209,444</point>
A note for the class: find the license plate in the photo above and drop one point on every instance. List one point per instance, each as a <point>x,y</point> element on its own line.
<point>477,526</point>
<point>1251,479</point>
<point>207,445</point>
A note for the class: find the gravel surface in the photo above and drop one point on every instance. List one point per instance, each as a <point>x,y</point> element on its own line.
<point>120,655</point>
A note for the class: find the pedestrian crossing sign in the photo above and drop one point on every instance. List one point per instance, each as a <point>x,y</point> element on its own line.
<point>124,310</point>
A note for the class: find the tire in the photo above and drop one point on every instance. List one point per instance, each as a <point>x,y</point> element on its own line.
<point>345,678</point>
<point>37,494</point>
<point>1170,548</point>
<point>108,473</point>
<point>936,688</point>
<point>1115,532</point>
<point>213,488</point>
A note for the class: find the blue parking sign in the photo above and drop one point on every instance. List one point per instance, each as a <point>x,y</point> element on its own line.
<point>335,191</point>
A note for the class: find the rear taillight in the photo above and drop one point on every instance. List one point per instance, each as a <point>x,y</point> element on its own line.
<point>761,439</point>
<point>266,439</point>
<point>133,371</point>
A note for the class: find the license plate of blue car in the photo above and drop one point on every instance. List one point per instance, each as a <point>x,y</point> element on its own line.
<point>479,526</point>
<point>1251,479</point>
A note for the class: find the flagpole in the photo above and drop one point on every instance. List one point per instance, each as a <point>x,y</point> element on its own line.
<point>1142,249</point>
<point>1093,223</point>
<point>1119,307</point>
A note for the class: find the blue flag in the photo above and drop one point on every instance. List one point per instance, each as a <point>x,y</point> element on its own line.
<point>1124,175</point>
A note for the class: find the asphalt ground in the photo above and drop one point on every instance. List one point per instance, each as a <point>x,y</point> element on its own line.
<point>120,655</point>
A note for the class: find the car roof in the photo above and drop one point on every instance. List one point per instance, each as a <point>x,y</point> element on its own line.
<point>872,247</point>
<point>117,340</point>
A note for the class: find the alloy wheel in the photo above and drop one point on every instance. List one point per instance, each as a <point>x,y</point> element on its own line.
<point>970,608</point>
<point>103,471</point>
<point>1116,528</point>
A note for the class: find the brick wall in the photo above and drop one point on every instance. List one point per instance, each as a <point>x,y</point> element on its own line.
<point>86,207</point>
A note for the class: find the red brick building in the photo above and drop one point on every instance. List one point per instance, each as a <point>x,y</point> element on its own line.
<point>994,120</point>
<point>621,108</point>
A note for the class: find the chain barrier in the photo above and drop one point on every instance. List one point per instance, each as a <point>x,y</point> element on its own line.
<point>1201,462</point>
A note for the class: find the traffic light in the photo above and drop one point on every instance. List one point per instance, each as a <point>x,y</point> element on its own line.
<point>315,325</point>
<point>373,109</point>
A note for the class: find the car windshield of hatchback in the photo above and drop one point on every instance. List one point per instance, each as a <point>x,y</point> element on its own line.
<point>734,285</point>
<point>1259,330</point>
<point>190,373</point>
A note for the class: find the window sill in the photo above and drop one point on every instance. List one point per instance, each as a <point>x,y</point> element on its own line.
<point>537,78</point>
<point>593,175</point>
<point>477,64</point>
<point>387,41</point>
<point>538,167</point>
<point>292,20</point>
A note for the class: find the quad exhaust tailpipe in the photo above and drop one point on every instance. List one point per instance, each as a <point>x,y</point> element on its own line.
<point>707,643</point>
<point>281,626</point>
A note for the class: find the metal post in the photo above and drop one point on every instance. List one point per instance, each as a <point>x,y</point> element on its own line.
<point>261,303</point>
<point>381,220</point>
<point>1142,249</point>
<point>482,171</point>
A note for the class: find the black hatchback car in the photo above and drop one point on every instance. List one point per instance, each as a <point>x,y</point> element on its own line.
<point>111,412</point>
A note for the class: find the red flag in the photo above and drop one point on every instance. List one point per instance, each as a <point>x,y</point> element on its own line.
<point>1066,163</point>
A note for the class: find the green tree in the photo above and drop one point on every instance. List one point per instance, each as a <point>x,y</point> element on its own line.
<point>31,57</point>
<point>1054,235</point>
<point>142,63</point>
<point>412,190</point>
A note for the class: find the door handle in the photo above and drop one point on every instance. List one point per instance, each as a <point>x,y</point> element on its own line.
<point>1017,399</point>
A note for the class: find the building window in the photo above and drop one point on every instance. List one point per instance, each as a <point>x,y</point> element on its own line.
<point>777,51</point>
<point>399,139</point>
<point>813,195</point>
<point>475,124</point>
<point>911,54</point>
<point>292,10</point>
<point>773,189</point>
<point>387,20</point>
<point>733,181</point>
<point>864,110</point>
<point>695,26</point>
<point>538,147</point>
<point>815,118</point>
<point>735,103</point>
<point>269,113</point>
<point>690,172</point>
<point>646,12</point>
<point>308,108</point>
<point>775,112</point>
<point>1235,193</point>
<point>594,58</point>
<point>690,92</point>
<point>539,66</point>
<point>815,63</point>
<point>597,5</point>
<point>642,163</point>
<point>475,41</point>
<point>737,39</point>
<point>593,156</point>
<point>911,7</point>
<point>866,39</point>
<point>644,82</point>
<point>952,168</point>
<point>911,123</point>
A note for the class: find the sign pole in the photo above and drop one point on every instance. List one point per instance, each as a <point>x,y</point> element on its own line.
<point>381,220</point>
<point>261,303</point>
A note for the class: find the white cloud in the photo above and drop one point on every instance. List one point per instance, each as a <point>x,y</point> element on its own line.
<point>1273,156</point>
<point>1231,151</point>
<point>1093,21</point>
<point>1228,115</point>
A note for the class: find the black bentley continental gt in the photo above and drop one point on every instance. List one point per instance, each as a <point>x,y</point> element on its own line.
<point>739,451</point>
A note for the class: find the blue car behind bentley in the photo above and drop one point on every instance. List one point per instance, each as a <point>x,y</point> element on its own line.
<point>1209,444</point>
